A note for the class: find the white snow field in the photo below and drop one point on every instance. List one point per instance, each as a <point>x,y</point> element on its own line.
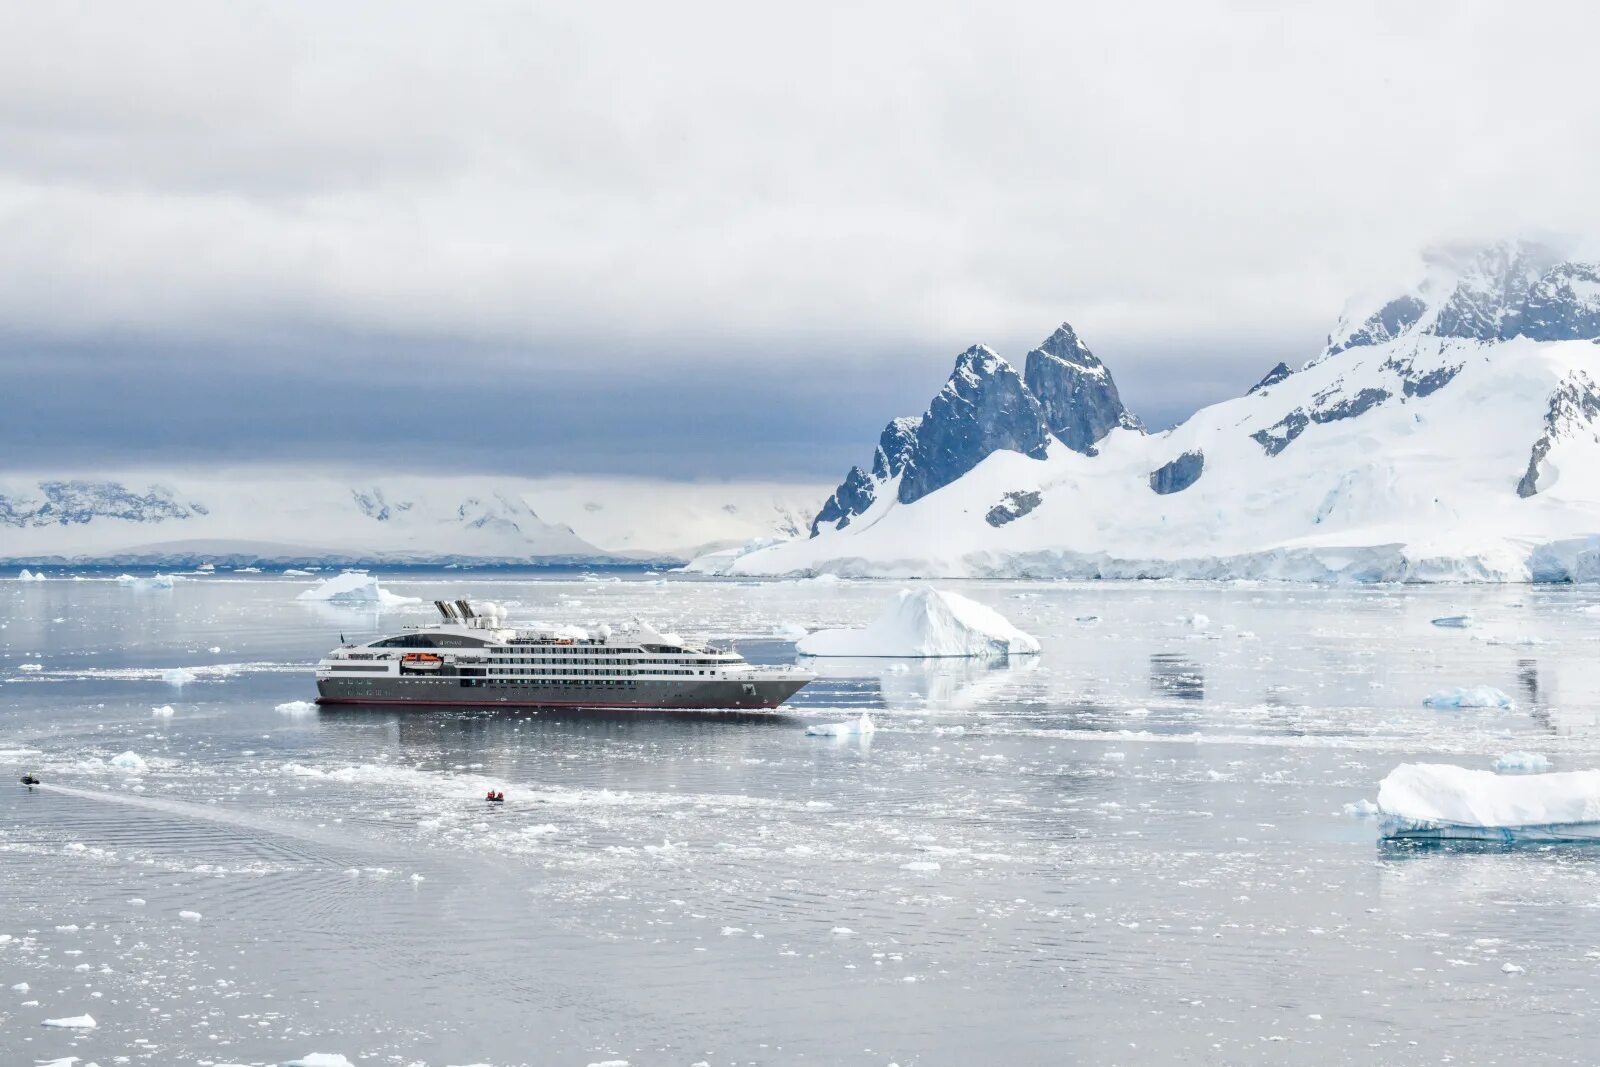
<point>925,623</point>
<point>1421,458</point>
<point>152,517</point>
<point>1445,801</point>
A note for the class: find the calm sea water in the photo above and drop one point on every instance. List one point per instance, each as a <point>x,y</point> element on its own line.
<point>1130,849</point>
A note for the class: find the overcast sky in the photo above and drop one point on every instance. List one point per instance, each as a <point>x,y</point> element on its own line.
<point>716,240</point>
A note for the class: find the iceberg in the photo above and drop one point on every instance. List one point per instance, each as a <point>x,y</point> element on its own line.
<point>861,727</point>
<point>154,581</point>
<point>320,1059</point>
<point>1459,622</point>
<point>131,762</point>
<point>1521,763</point>
<point>1481,696</point>
<point>297,707</point>
<point>1440,801</point>
<point>922,624</point>
<point>29,576</point>
<point>354,589</point>
<point>77,1022</point>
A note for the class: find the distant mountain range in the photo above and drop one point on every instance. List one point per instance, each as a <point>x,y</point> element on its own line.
<point>309,517</point>
<point>1448,432</point>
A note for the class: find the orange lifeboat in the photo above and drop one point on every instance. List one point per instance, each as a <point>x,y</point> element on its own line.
<point>421,661</point>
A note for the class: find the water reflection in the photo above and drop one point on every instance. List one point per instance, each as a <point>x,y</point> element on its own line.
<point>1174,674</point>
<point>953,684</point>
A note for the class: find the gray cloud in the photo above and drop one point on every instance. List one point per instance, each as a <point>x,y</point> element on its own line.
<point>800,216</point>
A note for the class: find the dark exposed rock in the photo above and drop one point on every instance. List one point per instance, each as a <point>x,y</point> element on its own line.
<point>1280,434</point>
<point>373,505</point>
<point>1385,324</point>
<point>66,503</point>
<point>1573,406</point>
<point>854,496</point>
<point>1076,392</point>
<point>986,407</point>
<point>1350,407</point>
<point>983,408</point>
<point>1486,303</point>
<point>1273,377</point>
<point>1178,475</point>
<point>1431,382</point>
<point>894,447</point>
<point>1013,506</point>
<point>1515,289</point>
<point>1563,305</point>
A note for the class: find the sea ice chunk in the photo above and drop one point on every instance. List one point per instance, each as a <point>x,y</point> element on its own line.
<point>76,1022</point>
<point>297,707</point>
<point>179,676</point>
<point>1444,801</point>
<point>29,576</point>
<point>131,762</point>
<point>1481,696</point>
<point>320,1059</point>
<point>855,727</point>
<point>354,589</point>
<point>30,667</point>
<point>154,581</point>
<point>925,623</point>
<point>1459,622</point>
<point>1521,762</point>
<point>165,711</point>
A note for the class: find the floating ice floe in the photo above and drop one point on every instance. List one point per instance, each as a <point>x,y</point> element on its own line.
<point>30,667</point>
<point>297,707</point>
<point>354,589</point>
<point>1521,763</point>
<point>925,623</point>
<point>191,916</point>
<point>165,711</point>
<point>853,728</point>
<point>131,762</point>
<point>29,576</point>
<point>1481,696</point>
<point>1458,622</point>
<point>1361,808</point>
<point>1438,801</point>
<point>320,1059</point>
<point>179,676</point>
<point>154,581</point>
<point>76,1022</point>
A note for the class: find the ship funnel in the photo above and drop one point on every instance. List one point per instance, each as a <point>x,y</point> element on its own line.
<point>466,609</point>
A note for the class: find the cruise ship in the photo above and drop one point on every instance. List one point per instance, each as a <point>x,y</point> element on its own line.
<point>472,657</point>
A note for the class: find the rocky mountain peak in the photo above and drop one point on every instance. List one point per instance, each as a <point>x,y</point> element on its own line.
<point>1075,391</point>
<point>985,406</point>
<point>1493,293</point>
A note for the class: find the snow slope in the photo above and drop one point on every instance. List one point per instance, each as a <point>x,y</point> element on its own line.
<point>1449,434</point>
<point>164,518</point>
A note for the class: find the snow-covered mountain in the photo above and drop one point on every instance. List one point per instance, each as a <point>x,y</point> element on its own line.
<point>1444,433</point>
<point>255,516</point>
